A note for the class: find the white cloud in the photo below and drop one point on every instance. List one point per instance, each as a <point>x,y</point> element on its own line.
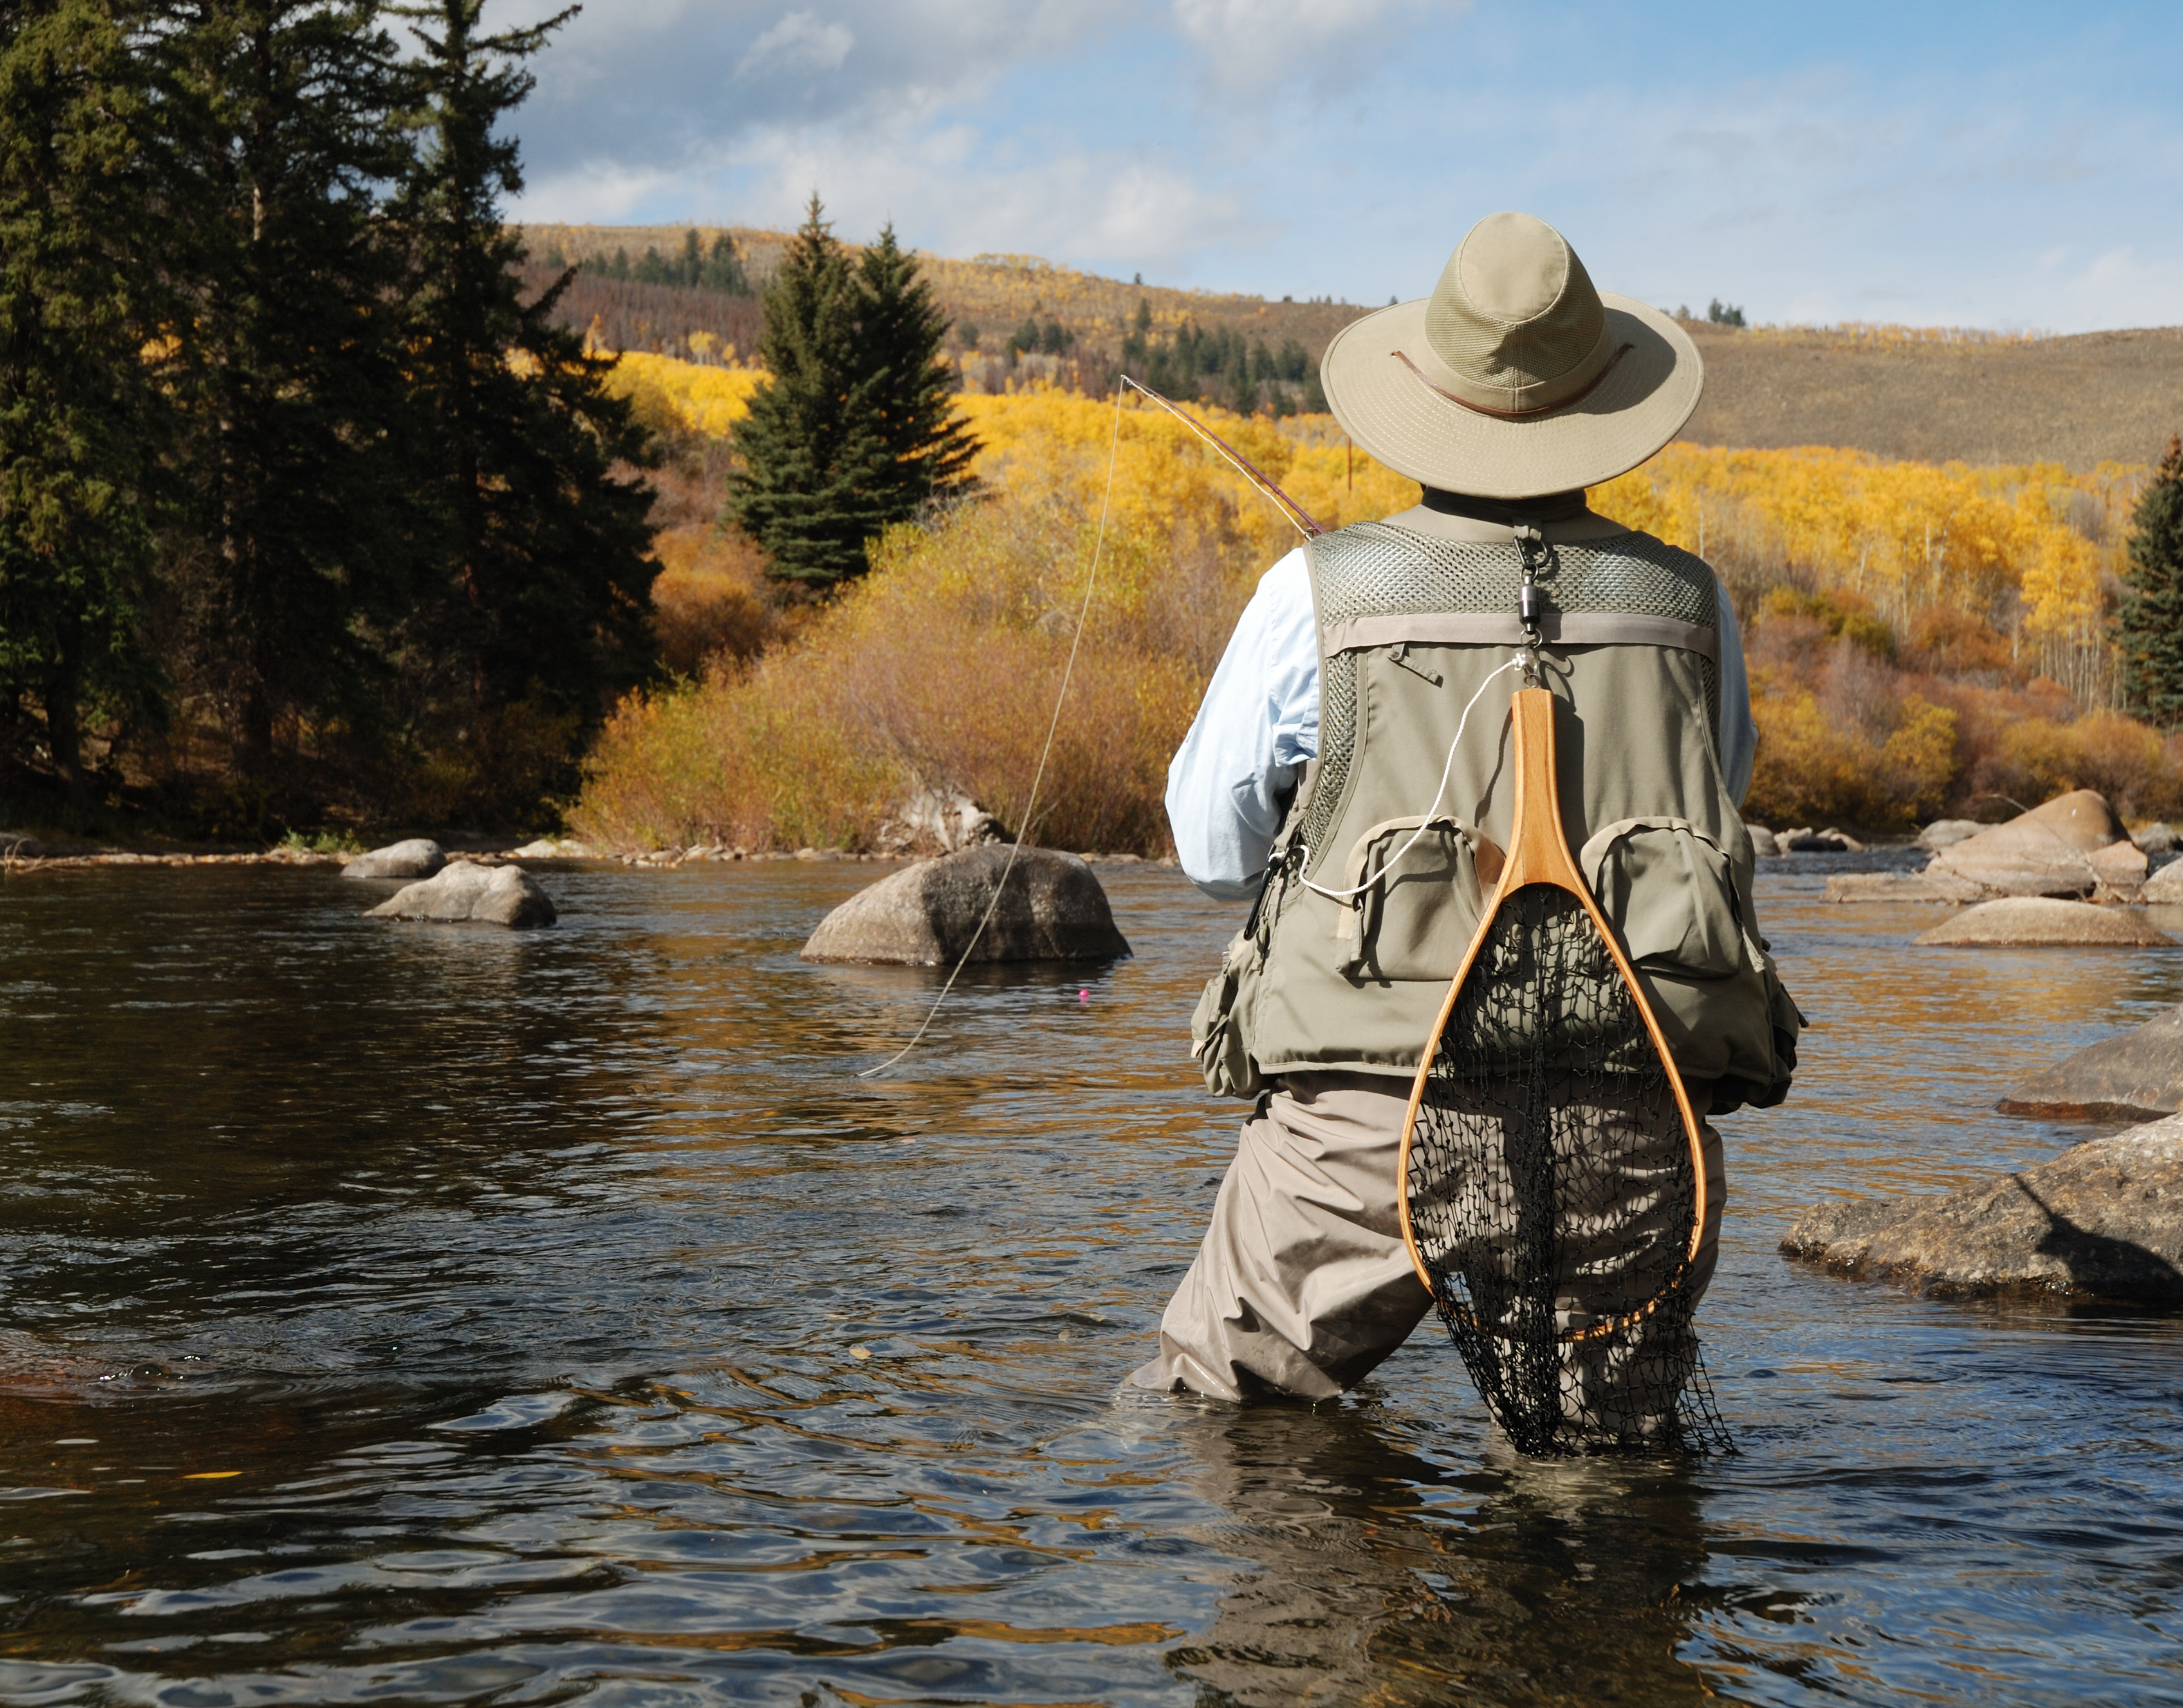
<point>799,44</point>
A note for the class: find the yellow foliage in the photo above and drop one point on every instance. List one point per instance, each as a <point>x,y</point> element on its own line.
<point>705,399</point>
<point>1904,535</point>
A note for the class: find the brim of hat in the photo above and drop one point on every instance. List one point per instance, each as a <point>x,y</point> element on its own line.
<point>1402,422</point>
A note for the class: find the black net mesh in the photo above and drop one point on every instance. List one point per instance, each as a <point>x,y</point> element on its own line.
<point>1551,1194</point>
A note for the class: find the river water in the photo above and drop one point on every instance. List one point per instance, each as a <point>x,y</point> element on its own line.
<point>432,1315</point>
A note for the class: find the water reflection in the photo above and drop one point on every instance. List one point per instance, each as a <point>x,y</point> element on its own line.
<point>441,1315</point>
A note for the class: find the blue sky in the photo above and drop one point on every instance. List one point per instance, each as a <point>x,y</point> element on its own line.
<point>2003,165</point>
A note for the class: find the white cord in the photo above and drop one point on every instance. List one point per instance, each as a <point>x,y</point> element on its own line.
<point>1425,823</point>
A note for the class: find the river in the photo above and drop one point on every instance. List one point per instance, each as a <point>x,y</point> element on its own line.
<point>435,1315</point>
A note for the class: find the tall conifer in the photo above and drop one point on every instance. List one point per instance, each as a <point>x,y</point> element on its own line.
<point>2150,618</point>
<point>900,333</point>
<point>78,418</point>
<point>283,120</point>
<point>538,577</point>
<point>816,481</point>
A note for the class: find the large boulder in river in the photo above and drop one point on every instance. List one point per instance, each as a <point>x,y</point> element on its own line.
<point>468,892</point>
<point>417,858</point>
<point>1051,908</point>
<point>2049,850</point>
<point>2137,1077</point>
<point>2102,1220</point>
<point>2029,922</point>
<point>2165,887</point>
<point>1946,833</point>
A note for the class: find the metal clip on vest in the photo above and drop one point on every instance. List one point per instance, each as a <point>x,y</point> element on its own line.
<point>1530,600</point>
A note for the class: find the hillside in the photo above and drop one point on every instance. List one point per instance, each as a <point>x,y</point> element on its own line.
<point>2082,401</point>
<point>2099,397</point>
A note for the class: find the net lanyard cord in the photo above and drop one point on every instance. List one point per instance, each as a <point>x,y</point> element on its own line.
<point>1424,823</point>
<point>1038,776</point>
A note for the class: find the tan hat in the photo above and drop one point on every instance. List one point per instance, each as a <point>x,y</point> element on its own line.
<point>1516,377</point>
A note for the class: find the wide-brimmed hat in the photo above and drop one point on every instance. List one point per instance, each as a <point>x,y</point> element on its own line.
<point>1517,376</point>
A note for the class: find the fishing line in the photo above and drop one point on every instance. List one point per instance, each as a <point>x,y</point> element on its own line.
<point>1038,776</point>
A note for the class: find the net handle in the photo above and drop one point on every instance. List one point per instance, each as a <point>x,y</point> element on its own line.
<point>1538,853</point>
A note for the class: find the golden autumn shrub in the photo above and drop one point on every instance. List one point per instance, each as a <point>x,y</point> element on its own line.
<point>1918,636</point>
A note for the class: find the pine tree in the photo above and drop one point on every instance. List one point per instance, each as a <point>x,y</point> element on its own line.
<point>902,331</point>
<point>817,480</point>
<point>77,412</point>
<point>282,119</point>
<point>538,575</point>
<point>2150,618</point>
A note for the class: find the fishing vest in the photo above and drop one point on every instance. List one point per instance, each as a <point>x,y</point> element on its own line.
<point>1410,628</point>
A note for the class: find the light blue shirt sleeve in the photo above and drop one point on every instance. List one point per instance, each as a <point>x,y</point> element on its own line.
<point>1232,780</point>
<point>1739,733</point>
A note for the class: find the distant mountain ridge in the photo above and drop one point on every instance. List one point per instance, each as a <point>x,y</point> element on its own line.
<point>2078,401</point>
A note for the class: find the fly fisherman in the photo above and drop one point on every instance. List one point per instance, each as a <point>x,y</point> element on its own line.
<point>1315,756</point>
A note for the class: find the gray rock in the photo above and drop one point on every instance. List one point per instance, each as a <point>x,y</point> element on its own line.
<point>1946,833</point>
<point>552,848</point>
<point>1928,886</point>
<point>2155,839</point>
<point>14,846</point>
<point>1828,841</point>
<point>2048,851</point>
<point>2136,1077</point>
<point>1053,909</point>
<point>1763,843</point>
<point>943,819</point>
<point>2164,889</point>
<point>2038,921</point>
<point>466,891</point>
<point>417,858</point>
<point>2102,1220</point>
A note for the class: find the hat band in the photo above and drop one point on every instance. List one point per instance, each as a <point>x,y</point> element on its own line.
<point>1578,396</point>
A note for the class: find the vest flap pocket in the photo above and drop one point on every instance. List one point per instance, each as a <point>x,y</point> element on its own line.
<point>1416,916</point>
<point>1669,888</point>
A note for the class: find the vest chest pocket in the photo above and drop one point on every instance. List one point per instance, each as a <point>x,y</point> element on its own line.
<point>1669,890</point>
<point>1416,917</point>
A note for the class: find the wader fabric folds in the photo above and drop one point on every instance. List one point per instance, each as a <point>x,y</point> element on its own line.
<point>1303,1284</point>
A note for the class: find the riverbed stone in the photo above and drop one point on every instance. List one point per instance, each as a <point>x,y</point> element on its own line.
<point>2103,1220</point>
<point>2021,921</point>
<point>2136,1077</point>
<point>2165,887</point>
<point>1928,886</point>
<point>14,846</point>
<point>1762,842</point>
<point>2155,839</point>
<point>2046,851</point>
<point>417,858</point>
<point>466,892</point>
<point>1050,909</point>
<point>1946,833</point>
<point>1808,840</point>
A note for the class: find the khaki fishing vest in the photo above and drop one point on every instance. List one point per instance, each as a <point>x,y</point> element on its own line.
<point>1410,627</point>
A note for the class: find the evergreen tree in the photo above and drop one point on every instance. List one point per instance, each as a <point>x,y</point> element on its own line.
<point>538,584</point>
<point>77,413</point>
<point>282,117</point>
<point>2151,617</point>
<point>901,333</point>
<point>817,479</point>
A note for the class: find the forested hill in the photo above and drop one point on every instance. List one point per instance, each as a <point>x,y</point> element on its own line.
<point>1931,395</point>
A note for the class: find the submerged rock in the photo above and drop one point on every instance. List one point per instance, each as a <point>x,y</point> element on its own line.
<point>2137,1077</point>
<point>2034,921</point>
<point>1053,909</point>
<point>1926,886</point>
<point>2104,1219</point>
<point>1946,833</point>
<point>466,891</point>
<point>417,858</point>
